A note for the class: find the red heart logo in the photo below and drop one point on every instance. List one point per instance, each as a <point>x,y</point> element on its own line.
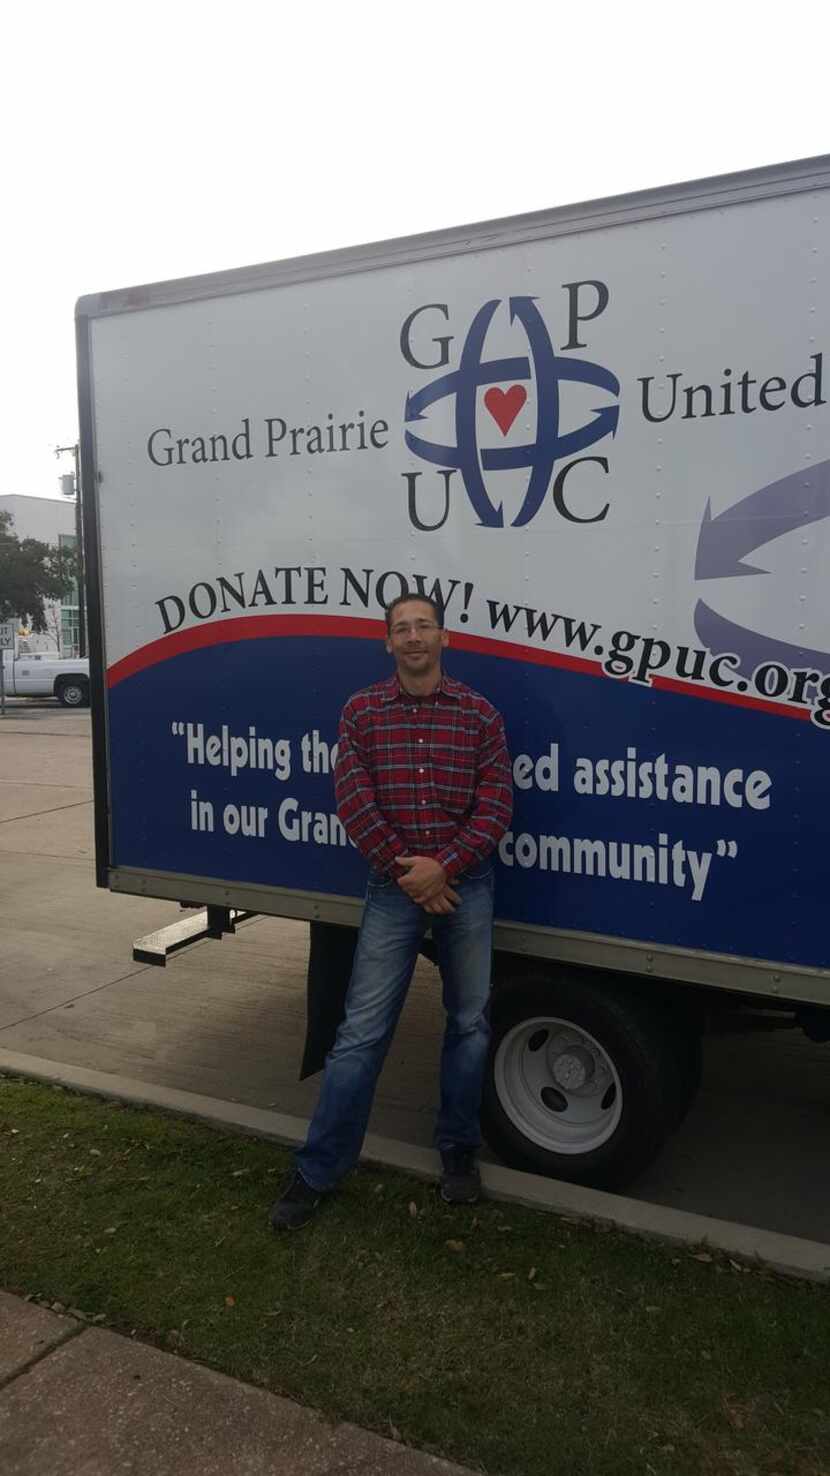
<point>504,405</point>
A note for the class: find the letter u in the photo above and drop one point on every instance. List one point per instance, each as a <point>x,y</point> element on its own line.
<point>411,479</point>
<point>655,419</point>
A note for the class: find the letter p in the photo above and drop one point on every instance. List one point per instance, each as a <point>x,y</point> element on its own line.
<point>653,656</point>
<point>275,428</point>
<point>576,314</point>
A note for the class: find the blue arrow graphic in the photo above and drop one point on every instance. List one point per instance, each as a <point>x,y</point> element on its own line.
<point>801,498</point>
<point>549,370</point>
<point>493,373</point>
<point>469,371</point>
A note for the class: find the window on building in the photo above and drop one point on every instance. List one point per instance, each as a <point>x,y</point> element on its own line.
<point>70,634</point>
<point>70,638</point>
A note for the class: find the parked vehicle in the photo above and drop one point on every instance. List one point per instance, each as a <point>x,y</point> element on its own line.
<point>600,436</point>
<point>39,674</point>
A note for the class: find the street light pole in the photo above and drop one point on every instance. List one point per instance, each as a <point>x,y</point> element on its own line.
<point>79,543</point>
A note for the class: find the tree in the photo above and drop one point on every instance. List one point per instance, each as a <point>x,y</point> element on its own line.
<point>31,573</point>
<point>54,625</point>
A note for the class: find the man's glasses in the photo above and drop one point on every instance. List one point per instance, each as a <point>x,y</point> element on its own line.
<point>420,627</point>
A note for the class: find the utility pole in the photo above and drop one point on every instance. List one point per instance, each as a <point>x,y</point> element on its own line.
<point>75,451</point>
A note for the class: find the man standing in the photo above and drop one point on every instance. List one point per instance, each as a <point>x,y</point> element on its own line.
<point>423,788</point>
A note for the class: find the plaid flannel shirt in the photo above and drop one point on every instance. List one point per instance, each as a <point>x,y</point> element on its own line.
<point>423,776</point>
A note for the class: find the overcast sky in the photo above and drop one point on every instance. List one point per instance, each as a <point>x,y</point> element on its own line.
<point>160,140</point>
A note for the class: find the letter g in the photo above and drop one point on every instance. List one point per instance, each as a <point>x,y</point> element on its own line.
<point>166,452</point>
<point>406,345</point>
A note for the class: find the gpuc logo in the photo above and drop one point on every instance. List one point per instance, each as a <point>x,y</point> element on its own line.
<point>544,368</point>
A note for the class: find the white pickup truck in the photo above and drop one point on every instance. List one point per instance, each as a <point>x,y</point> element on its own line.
<point>40,674</point>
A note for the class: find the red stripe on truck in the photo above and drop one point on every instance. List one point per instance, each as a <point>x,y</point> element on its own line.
<point>264,627</point>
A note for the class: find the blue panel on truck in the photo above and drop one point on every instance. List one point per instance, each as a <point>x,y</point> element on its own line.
<point>661,815</point>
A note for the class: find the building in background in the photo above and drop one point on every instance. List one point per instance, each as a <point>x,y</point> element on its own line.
<point>52,520</point>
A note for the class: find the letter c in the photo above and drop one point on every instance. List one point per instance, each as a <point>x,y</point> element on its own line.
<point>559,490</point>
<point>732,788</point>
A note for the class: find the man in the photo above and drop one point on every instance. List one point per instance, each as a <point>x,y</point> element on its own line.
<point>423,788</point>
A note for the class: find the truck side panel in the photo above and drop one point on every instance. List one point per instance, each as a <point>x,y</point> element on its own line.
<point>607,452</point>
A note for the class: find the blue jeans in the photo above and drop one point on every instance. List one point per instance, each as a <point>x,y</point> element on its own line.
<point>387,950</point>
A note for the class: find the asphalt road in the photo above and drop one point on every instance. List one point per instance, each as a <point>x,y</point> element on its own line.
<point>227,1019</point>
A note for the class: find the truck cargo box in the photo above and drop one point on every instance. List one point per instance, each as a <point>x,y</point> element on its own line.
<point>600,437</point>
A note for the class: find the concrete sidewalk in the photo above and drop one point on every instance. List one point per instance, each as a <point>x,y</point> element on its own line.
<point>75,1398</point>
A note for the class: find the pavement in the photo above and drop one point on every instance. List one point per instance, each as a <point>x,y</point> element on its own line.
<point>80,1399</point>
<point>218,1034</point>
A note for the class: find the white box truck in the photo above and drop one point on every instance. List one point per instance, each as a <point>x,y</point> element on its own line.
<point>600,436</point>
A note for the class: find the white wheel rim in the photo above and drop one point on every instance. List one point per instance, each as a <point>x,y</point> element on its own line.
<point>73,696</point>
<point>557,1085</point>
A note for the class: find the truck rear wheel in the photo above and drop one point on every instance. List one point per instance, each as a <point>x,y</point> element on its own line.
<point>72,692</point>
<point>582,1082</point>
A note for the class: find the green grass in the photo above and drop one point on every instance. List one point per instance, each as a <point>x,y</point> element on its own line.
<point>506,1339</point>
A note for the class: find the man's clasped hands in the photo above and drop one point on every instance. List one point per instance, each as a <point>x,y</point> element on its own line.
<point>424,880</point>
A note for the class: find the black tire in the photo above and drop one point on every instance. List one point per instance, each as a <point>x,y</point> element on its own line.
<point>630,1101</point>
<point>73,692</point>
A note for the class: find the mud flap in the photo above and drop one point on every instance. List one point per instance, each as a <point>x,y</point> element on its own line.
<point>330,958</point>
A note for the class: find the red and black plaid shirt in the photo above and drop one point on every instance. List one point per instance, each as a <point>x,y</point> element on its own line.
<point>423,776</point>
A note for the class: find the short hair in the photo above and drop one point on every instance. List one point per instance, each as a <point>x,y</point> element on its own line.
<point>436,608</point>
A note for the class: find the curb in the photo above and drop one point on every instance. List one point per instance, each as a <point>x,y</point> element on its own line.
<point>788,1255</point>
